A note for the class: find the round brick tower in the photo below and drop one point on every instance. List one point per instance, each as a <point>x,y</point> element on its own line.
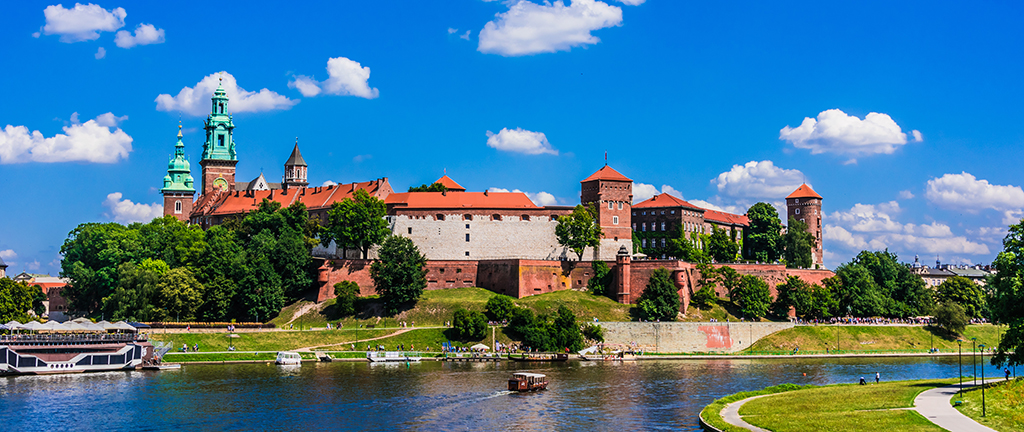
<point>804,205</point>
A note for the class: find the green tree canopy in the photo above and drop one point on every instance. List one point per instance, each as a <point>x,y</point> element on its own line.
<point>798,244</point>
<point>951,317</point>
<point>469,325</point>
<point>721,246</point>
<point>16,300</point>
<point>499,307</point>
<point>602,283</point>
<point>660,300</point>
<point>752,296</point>
<point>566,332</point>
<point>356,223</point>
<point>875,284</point>
<point>807,300</point>
<point>579,230</point>
<point>1007,301</point>
<point>434,187</point>
<point>398,273</point>
<point>346,293</point>
<point>688,248</point>
<point>963,292</point>
<point>181,293</point>
<point>763,238</point>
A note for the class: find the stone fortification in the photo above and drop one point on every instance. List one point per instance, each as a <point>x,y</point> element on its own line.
<point>451,236</point>
<point>689,337</point>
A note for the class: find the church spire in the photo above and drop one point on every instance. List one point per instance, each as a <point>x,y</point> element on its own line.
<point>219,157</point>
<point>178,187</point>
<point>295,173</point>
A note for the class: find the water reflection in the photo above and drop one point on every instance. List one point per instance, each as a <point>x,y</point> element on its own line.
<point>429,396</point>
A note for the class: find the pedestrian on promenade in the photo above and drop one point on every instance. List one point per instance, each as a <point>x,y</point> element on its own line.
<point>1007,372</point>
<point>877,377</point>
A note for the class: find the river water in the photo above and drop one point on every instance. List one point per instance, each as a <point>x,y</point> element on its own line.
<point>429,396</point>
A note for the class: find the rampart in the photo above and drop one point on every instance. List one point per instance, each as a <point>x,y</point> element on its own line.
<point>689,337</point>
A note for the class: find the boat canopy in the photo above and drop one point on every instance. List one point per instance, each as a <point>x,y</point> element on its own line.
<point>528,375</point>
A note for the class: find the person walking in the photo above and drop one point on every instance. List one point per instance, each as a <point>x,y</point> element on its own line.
<point>1007,372</point>
<point>877,377</point>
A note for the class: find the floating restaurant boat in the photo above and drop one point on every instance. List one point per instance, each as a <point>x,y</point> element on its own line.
<point>392,356</point>
<point>539,357</point>
<point>526,382</point>
<point>288,358</point>
<point>75,347</point>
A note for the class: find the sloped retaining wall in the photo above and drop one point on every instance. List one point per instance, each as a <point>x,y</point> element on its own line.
<point>689,337</point>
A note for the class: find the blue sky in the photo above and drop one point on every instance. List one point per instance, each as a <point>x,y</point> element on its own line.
<point>903,116</point>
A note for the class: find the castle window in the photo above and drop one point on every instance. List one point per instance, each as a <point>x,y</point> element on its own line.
<point>526,218</point>
<point>495,217</point>
<point>643,226</point>
<point>610,205</point>
<point>796,201</point>
<point>643,243</point>
<point>643,213</point>
<point>220,140</point>
<point>467,253</point>
<point>615,220</point>
<point>663,226</point>
<point>439,217</point>
<point>177,207</point>
<point>468,217</point>
<point>672,212</point>
<point>467,226</point>
<point>797,211</point>
<point>467,236</point>
<point>662,242</point>
<point>634,226</point>
<point>410,230</point>
<point>620,206</point>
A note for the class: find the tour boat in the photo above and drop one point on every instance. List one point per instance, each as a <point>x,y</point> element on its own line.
<point>392,356</point>
<point>525,382</point>
<point>288,358</point>
<point>539,357</point>
<point>36,354</point>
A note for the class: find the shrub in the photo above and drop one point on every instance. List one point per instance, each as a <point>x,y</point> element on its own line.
<point>601,283</point>
<point>660,300</point>
<point>469,325</point>
<point>499,307</point>
<point>346,293</point>
<point>593,332</point>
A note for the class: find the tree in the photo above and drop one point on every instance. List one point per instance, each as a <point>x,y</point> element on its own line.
<point>499,307</point>
<point>356,222</point>
<point>398,274</point>
<point>637,249</point>
<point>963,292</point>
<point>1007,301</point>
<point>16,299</point>
<point>346,293</point>
<point>705,297</point>
<point>602,281</point>
<point>721,247</point>
<point>660,300</point>
<point>876,284</point>
<point>136,297</point>
<point>688,249</point>
<point>567,334</point>
<point>534,331</point>
<point>807,300</point>
<point>729,278</point>
<point>798,244</point>
<point>763,240</point>
<point>579,230</point>
<point>753,297</point>
<point>951,317</point>
<point>180,294</point>
<point>434,187</point>
<point>261,294</point>
<point>469,325</point>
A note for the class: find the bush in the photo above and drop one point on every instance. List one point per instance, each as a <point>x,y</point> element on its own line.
<point>499,307</point>
<point>346,293</point>
<point>752,296</point>
<point>469,325</point>
<point>593,332</point>
<point>601,283</point>
<point>704,298</point>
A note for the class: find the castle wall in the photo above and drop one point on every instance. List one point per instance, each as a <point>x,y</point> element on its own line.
<point>682,337</point>
<point>495,235</point>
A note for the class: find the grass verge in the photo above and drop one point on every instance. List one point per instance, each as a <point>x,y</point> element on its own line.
<point>872,338</point>
<point>1004,405</point>
<point>712,413</point>
<point>267,340</point>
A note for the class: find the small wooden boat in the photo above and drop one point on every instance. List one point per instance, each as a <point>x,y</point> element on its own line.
<point>288,358</point>
<point>539,357</point>
<point>526,382</point>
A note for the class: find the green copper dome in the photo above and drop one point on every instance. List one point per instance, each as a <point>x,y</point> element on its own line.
<point>220,144</point>
<point>179,173</point>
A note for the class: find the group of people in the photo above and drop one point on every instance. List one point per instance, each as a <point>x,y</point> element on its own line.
<point>875,320</point>
<point>185,348</point>
<point>878,377</point>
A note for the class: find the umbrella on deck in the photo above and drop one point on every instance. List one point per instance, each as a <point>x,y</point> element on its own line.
<point>480,347</point>
<point>121,325</point>
<point>31,325</point>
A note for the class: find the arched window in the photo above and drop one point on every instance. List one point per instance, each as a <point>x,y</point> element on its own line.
<point>797,211</point>
<point>615,220</point>
<point>177,207</point>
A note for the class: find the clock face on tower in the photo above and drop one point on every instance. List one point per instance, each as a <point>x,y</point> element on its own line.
<point>220,183</point>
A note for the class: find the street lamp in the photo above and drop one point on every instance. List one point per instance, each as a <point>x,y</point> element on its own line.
<point>974,349</point>
<point>982,346</point>
<point>960,359</point>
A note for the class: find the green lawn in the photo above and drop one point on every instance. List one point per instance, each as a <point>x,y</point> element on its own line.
<point>267,340</point>
<point>711,413</point>
<point>1004,405</point>
<point>841,407</point>
<point>872,338</point>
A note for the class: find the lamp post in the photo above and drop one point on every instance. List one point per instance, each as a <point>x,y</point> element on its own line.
<point>982,346</point>
<point>960,359</point>
<point>974,349</point>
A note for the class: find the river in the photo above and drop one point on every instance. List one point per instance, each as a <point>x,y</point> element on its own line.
<point>429,396</point>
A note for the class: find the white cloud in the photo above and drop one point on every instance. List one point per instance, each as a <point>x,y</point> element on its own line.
<point>145,34</point>
<point>92,141</point>
<point>196,100</point>
<point>452,30</point>
<point>329,183</point>
<point>100,53</point>
<point>125,211</point>
<point>520,140</point>
<point>464,35</point>
<point>906,194</point>
<point>632,2</point>
<point>758,180</point>
<point>530,28</point>
<point>965,192</point>
<point>8,254</point>
<point>82,22</point>
<point>362,157</point>
<point>345,78</point>
<point>643,192</point>
<point>540,198</point>
<point>836,132</point>
<point>875,227</point>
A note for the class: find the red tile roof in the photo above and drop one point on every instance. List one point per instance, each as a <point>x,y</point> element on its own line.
<point>666,200</point>
<point>460,200</point>
<point>725,218</point>
<point>606,173</point>
<point>450,184</point>
<point>804,191</point>
<point>226,203</point>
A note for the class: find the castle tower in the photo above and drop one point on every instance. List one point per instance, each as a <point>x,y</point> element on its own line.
<point>295,170</point>
<point>219,156</point>
<point>178,189</point>
<point>805,205</point>
<point>612,194</point>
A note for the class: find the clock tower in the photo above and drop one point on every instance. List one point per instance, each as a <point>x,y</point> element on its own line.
<point>219,156</point>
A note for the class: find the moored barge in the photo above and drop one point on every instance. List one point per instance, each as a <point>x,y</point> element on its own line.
<point>36,354</point>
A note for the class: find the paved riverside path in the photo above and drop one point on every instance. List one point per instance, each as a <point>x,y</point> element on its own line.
<point>731,414</point>
<point>934,405</point>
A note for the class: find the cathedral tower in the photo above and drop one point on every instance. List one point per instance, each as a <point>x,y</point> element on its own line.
<point>804,205</point>
<point>178,189</point>
<point>219,156</point>
<point>612,194</point>
<point>295,170</point>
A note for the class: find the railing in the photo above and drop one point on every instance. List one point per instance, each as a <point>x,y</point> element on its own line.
<point>68,338</point>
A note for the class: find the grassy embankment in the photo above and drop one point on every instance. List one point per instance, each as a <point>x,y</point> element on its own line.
<point>840,407</point>
<point>869,338</point>
<point>1004,405</point>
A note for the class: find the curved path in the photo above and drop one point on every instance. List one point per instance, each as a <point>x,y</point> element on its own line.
<point>731,414</point>
<point>934,405</point>
<point>308,349</point>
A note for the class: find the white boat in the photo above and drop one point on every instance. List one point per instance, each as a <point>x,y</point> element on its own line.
<point>392,356</point>
<point>38,354</point>
<point>288,358</point>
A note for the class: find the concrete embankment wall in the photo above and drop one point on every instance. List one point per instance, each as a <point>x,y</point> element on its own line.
<point>686,337</point>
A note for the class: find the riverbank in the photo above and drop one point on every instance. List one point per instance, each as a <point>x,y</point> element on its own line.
<point>1004,404</point>
<point>874,337</point>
